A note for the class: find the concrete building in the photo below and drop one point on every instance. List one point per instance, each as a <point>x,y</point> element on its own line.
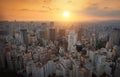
<point>114,38</point>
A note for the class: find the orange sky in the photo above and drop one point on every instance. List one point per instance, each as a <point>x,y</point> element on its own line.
<point>52,10</point>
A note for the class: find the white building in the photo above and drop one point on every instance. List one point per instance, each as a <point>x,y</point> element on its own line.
<point>72,40</point>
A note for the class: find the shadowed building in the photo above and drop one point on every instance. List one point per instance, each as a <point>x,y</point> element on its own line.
<point>52,34</point>
<point>114,38</point>
<point>24,36</point>
<point>4,32</point>
<point>61,33</point>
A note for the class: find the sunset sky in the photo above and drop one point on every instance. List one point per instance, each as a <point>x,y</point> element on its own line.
<point>52,10</point>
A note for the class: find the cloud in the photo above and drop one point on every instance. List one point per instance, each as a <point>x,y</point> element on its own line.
<point>47,1</point>
<point>94,10</point>
<point>47,7</point>
<point>31,10</point>
<point>106,7</point>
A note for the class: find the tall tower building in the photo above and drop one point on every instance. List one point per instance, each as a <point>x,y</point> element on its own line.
<point>114,38</point>
<point>52,34</point>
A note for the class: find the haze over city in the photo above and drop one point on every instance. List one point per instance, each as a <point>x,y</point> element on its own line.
<point>59,38</point>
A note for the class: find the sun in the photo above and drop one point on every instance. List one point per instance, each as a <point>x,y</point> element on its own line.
<point>66,14</point>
